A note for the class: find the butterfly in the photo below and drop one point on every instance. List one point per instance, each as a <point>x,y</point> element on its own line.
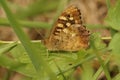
<point>68,32</point>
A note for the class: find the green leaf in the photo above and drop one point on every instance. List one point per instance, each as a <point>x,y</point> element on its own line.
<point>115,44</point>
<point>20,61</point>
<point>20,54</point>
<point>26,69</point>
<point>87,71</point>
<point>7,47</point>
<point>117,77</point>
<point>96,42</point>
<point>113,18</point>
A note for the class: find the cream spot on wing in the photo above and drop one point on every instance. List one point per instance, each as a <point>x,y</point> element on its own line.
<point>56,33</point>
<point>60,25</point>
<point>58,29</point>
<point>68,24</point>
<point>76,21</point>
<point>71,18</point>
<point>62,18</point>
<point>73,34</point>
<point>66,30</point>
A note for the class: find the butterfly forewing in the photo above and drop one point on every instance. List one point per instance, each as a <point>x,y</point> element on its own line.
<point>69,17</point>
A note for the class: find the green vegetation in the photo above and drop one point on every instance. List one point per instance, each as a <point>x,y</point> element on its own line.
<point>31,58</point>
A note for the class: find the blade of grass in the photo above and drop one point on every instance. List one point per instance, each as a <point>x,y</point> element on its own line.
<point>108,3</point>
<point>37,7</point>
<point>103,66</point>
<point>37,60</point>
<point>95,76</point>
<point>60,71</point>
<point>96,44</point>
<point>8,42</point>
<point>29,24</point>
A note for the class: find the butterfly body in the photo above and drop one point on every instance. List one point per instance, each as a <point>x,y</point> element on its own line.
<point>68,33</point>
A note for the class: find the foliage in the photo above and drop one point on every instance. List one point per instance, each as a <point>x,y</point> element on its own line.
<point>33,60</point>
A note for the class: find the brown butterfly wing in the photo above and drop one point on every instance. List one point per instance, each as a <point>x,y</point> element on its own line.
<point>68,33</point>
